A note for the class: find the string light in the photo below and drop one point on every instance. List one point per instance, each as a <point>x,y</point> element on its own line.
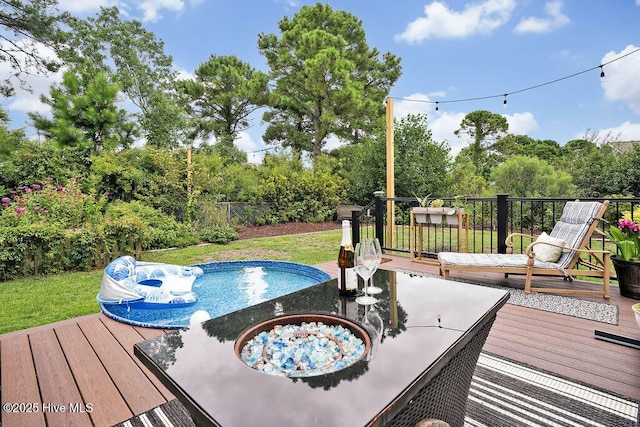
<point>479,98</point>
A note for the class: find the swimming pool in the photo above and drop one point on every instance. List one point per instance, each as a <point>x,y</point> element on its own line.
<point>225,286</point>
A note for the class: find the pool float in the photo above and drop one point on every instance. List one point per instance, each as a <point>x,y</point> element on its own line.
<point>148,285</point>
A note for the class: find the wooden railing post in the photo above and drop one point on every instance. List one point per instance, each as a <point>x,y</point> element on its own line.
<point>503,216</point>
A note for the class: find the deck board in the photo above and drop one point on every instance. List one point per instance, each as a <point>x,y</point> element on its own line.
<point>136,388</point>
<point>58,388</point>
<point>90,359</point>
<point>107,404</point>
<point>127,337</point>
<point>18,381</point>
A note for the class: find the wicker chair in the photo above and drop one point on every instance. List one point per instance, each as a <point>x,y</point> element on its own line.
<point>575,227</point>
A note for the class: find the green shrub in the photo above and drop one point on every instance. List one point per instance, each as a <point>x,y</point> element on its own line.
<point>306,196</point>
<point>47,249</point>
<point>218,234</point>
<point>157,230</point>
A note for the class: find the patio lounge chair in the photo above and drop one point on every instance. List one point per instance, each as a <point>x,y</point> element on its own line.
<point>558,254</point>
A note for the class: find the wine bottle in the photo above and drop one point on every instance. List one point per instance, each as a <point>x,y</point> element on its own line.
<point>348,280</point>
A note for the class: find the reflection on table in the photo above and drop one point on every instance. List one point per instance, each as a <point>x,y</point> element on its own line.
<point>427,334</point>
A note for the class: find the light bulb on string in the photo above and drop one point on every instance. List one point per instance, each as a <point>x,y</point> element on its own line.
<point>504,103</point>
<point>601,73</point>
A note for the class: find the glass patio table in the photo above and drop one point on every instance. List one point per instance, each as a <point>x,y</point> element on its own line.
<point>419,367</point>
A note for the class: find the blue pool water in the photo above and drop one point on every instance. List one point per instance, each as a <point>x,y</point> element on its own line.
<point>226,287</point>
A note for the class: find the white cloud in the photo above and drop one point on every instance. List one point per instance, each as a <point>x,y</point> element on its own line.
<point>80,7</point>
<point>183,74</point>
<point>246,143</point>
<point>25,100</point>
<point>441,22</point>
<point>417,103</point>
<point>521,123</point>
<point>333,142</point>
<point>151,8</point>
<point>621,81</point>
<point>443,127</point>
<point>294,3</point>
<point>627,131</point>
<point>554,19</point>
<point>443,123</point>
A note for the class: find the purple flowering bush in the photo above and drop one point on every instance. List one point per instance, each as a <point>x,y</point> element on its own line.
<point>51,205</point>
<point>47,228</point>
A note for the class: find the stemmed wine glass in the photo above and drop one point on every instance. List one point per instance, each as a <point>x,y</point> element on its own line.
<point>373,290</point>
<point>365,266</point>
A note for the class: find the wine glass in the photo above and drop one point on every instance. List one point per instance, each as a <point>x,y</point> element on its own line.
<point>364,264</point>
<point>373,290</point>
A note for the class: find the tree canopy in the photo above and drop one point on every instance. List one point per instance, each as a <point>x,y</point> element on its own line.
<point>134,59</point>
<point>326,80</point>
<point>482,126</point>
<point>222,96</point>
<point>85,114</point>
<point>523,176</point>
<point>26,28</point>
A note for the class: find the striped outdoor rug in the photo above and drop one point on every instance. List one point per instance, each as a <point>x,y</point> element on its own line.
<point>503,393</point>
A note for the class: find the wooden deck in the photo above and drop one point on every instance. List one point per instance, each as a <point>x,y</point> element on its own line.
<point>86,365</point>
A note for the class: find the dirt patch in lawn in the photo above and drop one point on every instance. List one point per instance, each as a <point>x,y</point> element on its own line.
<point>286,228</point>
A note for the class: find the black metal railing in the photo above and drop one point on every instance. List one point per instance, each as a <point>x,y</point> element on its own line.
<point>491,220</point>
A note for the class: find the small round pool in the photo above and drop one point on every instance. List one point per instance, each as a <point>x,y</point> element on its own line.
<point>225,287</point>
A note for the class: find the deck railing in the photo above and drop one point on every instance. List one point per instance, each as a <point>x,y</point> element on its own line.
<point>491,220</point>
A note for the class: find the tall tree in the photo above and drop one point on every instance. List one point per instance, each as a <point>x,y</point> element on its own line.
<point>421,164</point>
<point>223,94</point>
<point>26,27</point>
<point>132,56</point>
<point>326,80</point>
<point>522,176</point>
<point>85,114</point>
<point>596,170</point>
<point>482,127</point>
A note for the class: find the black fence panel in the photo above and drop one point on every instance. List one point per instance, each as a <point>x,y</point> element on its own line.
<point>491,220</point>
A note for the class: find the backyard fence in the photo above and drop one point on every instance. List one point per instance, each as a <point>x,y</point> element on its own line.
<point>26,251</point>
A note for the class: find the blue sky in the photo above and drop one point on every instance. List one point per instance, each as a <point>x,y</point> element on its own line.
<point>451,50</point>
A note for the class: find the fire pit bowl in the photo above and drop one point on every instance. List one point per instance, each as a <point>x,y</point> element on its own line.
<point>302,345</point>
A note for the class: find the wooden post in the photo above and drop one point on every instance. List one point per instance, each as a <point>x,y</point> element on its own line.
<point>189,183</point>
<point>391,192</point>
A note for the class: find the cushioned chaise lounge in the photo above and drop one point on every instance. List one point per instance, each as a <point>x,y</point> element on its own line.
<point>560,253</point>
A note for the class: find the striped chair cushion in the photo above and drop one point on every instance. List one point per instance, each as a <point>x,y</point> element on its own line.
<point>573,225</point>
<point>491,260</point>
<point>571,228</point>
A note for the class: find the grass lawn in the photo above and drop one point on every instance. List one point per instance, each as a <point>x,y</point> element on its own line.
<point>35,301</point>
